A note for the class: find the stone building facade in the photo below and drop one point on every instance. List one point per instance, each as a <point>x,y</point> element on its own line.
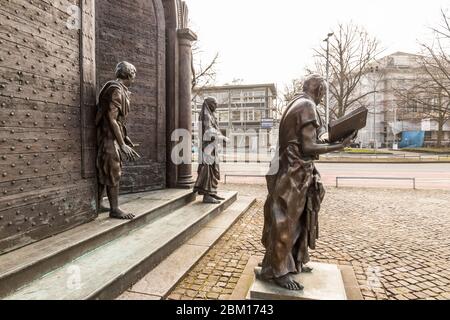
<point>244,112</point>
<point>391,117</point>
<point>54,57</point>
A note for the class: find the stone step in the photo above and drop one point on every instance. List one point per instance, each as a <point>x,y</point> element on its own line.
<point>158,283</point>
<point>26,264</point>
<point>109,270</point>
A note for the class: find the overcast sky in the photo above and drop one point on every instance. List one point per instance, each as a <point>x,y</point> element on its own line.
<point>263,41</point>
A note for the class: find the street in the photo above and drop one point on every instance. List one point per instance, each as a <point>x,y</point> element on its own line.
<point>428,175</point>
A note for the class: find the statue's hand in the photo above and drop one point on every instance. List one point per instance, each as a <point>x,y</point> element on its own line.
<point>129,142</point>
<point>348,140</point>
<point>324,138</point>
<point>129,152</point>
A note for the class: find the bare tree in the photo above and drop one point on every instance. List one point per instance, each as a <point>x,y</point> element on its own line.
<point>351,52</point>
<point>291,89</point>
<point>204,73</point>
<point>278,106</point>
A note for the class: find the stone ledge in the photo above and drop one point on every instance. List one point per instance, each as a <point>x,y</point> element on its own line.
<point>323,283</point>
<point>242,289</point>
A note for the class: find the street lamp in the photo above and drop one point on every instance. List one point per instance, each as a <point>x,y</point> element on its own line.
<point>327,108</point>
<point>373,70</point>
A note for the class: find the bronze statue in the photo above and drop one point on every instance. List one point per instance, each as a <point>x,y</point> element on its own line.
<point>112,138</point>
<point>208,167</point>
<point>295,191</point>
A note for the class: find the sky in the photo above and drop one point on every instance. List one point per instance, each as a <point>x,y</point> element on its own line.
<point>268,41</point>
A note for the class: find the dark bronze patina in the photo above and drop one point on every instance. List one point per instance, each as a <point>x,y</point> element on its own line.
<point>295,191</point>
<point>112,138</point>
<point>208,168</point>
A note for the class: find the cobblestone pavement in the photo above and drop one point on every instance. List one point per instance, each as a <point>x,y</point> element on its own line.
<point>397,242</point>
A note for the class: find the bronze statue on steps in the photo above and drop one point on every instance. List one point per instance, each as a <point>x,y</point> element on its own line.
<point>112,138</point>
<point>208,167</point>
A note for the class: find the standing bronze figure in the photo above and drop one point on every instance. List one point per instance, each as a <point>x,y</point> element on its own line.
<point>208,168</point>
<point>295,191</point>
<point>112,138</point>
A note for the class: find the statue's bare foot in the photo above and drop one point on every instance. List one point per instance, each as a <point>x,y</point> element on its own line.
<point>119,214</point>
<point>102,208</point>
<point>306,269</point>
<point>258,274</point>
<point>215,196</point>
<point>208,199</point>
<point>287,282</point>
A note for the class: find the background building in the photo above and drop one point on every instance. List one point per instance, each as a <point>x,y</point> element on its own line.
<point>245,113</point>
<point>392,120</point>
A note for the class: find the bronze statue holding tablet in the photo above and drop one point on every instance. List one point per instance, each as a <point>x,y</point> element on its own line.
<point>295,191</point>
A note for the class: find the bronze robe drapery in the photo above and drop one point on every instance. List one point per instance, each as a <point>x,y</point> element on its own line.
<point>208,168</point>
<point>295,194</point>
<point>109,160</point>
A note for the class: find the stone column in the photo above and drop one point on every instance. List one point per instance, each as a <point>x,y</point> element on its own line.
<point>185,39</point>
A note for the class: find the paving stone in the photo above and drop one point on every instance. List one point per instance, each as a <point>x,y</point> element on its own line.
<point>216,290</point>
<point>393,256</point>
<point>437,290</point>
<point>212,295</point>
<point>420,295</point>
<point>174,296</point>
<point>446,295</point>
<point>234,280</point>
<point>410,296</point>
<point>190,293</point>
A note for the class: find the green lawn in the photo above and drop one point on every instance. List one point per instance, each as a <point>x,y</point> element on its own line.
<point>427,150</point>
<point>364,151</point>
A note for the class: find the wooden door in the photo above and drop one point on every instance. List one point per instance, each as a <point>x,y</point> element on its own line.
<point>47,140</point>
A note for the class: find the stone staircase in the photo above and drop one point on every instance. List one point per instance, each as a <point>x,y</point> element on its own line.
<point>104,258</point>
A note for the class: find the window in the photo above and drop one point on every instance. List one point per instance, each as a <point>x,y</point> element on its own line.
<point>254,96</point>
<point>413,106</point>
<point>263,114</point>
<point>249,115</point>
<point>236,116</point>
<point>259,96</point>
<point>223,116</point>
<point>236,96</point>
<point>222,97</point>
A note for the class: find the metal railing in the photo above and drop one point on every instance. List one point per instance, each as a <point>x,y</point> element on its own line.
<point>242,175</point>
<point>375,178</point>
<point>418,157</point>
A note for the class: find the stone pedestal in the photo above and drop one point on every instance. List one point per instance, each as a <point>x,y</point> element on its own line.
<point>185,39</point>
<point>324,283</point>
